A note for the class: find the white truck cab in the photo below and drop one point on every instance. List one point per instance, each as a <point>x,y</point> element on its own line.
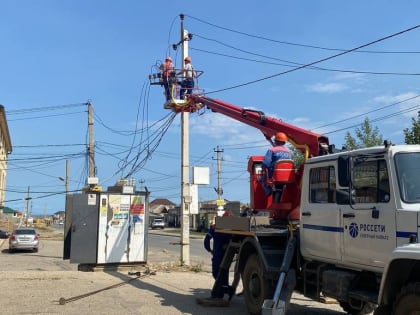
<point>359,209</point>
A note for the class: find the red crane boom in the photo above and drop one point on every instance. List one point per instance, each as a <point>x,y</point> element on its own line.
<point>284,202</point>
<point>315,144</point>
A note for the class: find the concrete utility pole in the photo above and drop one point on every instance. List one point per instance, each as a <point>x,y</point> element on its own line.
<point>66,183</point>
<point>219,188</point>
<point>141,181</point>
<point>91,147</point>
<point>67,178</point>
<point>27,207</point>
<point>185,176</point>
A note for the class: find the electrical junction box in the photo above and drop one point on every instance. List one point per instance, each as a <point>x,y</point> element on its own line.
<point>106,228</point>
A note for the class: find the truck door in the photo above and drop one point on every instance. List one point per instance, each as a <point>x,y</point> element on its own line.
<point>321,228</point>
<point>369,224</point>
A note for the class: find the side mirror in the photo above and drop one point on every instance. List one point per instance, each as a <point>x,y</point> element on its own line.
<point>344,171</point>
<point>343,197</point>
<point>375,213</point>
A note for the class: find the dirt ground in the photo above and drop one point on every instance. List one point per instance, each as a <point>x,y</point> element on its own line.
<point>166,292</point>
<point>162,288</point>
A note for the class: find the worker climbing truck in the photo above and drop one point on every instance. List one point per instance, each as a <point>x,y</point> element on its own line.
<point>342,225</point>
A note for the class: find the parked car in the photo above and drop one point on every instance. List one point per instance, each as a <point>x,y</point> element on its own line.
<point>158,223</point>
<point>4,234</point>
<point>24,238</point>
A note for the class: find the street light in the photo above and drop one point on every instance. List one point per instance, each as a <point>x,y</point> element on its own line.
<point>66,180</point>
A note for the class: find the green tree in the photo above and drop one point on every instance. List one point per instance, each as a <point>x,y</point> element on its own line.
<point>366,136</point>
<point>297,156</point>
<point>412,136</point>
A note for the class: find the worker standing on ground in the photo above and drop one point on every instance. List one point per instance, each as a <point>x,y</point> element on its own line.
<point>278,152</point>
<point>220,243</point>
<point>188,75</point>
<point>168,77</point>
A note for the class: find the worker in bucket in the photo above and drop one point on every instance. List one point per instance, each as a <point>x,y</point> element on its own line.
<point>277,152</point>
<point>220,243</point>
<point>188,75</point>
<point>168,77</point>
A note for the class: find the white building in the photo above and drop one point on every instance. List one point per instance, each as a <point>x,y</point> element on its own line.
<point>5,150</point>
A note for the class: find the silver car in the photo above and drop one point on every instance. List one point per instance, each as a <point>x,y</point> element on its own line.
<point>158,223</point>
<point>24,238</point>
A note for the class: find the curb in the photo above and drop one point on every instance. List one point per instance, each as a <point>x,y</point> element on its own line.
<point>164,233</point>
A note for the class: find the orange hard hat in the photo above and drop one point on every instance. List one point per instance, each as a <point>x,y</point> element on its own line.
<point>280,137</point>
<point>188,58</point>
<point>168,58</point>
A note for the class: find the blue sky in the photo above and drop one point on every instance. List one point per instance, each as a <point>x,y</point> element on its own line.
<point>57,55</point>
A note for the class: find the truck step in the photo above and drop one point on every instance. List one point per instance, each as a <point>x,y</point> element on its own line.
<point>312,274</point>
<point>364,295</point>
<point>327,300</point>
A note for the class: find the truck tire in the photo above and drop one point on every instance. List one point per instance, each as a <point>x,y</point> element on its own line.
<point>408,301</point>
<point>256,287</point>
<point>367,308</point>
<point>383,310</point>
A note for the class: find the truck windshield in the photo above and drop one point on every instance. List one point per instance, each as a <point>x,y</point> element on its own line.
<point>408,172</point>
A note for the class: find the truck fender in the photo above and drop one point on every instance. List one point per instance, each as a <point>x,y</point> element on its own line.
<point>249,246</point>
<point>402,268</point>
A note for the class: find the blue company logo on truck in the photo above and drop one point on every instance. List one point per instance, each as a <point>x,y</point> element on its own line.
<point>367,230</point>
<point>353,230</point>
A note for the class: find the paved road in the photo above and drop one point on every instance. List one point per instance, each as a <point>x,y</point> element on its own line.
<point>48,258</point>
<point>164,247</point>
<point>35,283</point>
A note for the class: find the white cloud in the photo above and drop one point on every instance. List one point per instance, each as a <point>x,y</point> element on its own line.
<point>338,83</point>
<point>220,127</point>
<point>408,103</point>
<point>329,88</point>
<point>396,98</point>
<point>357,77</point>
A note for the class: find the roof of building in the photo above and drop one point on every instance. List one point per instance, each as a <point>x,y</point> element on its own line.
<point>5,130</point>
<point>8,210</point>
<point>161,202</point>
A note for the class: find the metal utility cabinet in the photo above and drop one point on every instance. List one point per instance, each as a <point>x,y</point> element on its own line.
<point>106,228</point>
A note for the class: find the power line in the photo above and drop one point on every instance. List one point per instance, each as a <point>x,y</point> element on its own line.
<point>246,51</point>
<point>297,44</point>
<point>45,116</point>
<point>366,113</point>
<point>318,61</point>
<point>41,109</point>
<point>310,68</point>
<point>37,158</point>
<point>48,145</point>
<point>407,110</point>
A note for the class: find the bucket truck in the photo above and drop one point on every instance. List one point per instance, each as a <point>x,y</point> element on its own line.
<point>344,225</point>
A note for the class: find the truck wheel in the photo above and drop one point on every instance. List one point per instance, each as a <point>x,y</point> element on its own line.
<point>366,308</point>
<point>383,310</point>
<point>408,301</point>
<point>256,287</point>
